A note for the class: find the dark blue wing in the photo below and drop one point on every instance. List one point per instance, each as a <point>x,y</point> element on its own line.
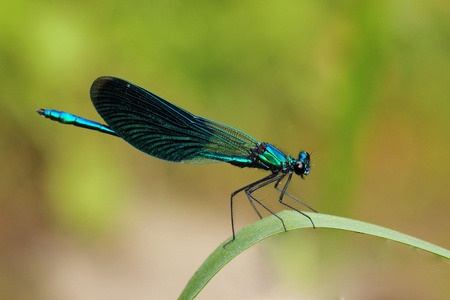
<point>163,130</point>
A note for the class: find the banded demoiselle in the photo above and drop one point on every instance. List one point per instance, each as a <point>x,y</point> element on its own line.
<point>166,131</point>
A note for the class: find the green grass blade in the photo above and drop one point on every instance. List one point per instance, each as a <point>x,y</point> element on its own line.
<point>267,227</point>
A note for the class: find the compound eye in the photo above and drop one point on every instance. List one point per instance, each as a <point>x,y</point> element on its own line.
<point>299,168</point>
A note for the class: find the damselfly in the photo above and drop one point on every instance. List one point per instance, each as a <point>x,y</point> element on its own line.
<point>166,131</point>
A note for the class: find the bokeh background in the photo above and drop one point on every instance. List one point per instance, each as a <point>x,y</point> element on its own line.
<point>364,85</point>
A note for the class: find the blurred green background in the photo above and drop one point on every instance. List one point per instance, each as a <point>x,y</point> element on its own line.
<point>364,85</point>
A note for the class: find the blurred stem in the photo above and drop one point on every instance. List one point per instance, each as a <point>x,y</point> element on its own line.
<point>356,95</point>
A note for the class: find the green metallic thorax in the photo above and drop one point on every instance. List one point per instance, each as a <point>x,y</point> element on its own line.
<point>272,159</point>
<point>266,157</point>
